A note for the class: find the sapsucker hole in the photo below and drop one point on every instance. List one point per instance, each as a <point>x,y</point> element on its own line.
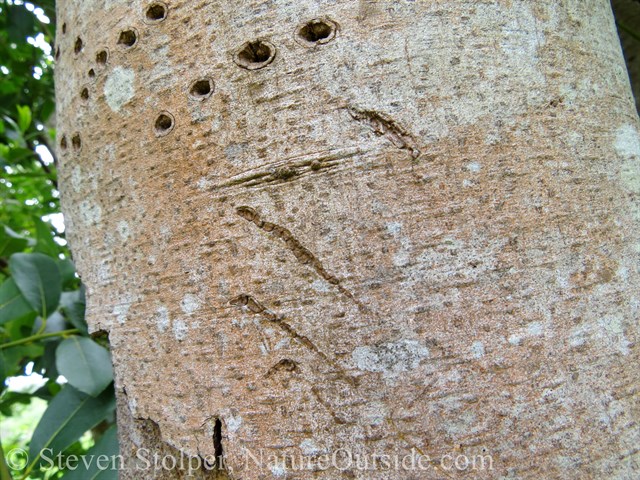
<point>317,31</point>
<point>91,73</point>
<point>64,28</point>
<point>128,38</point>
<point>76,141</point>
<point>77,47</point>
<point>57,55</point>
<point>84,93</point>
<point>256,54</point>
<point>102,57</point>
<point>201,89</point>
<point>63,142</point>
<point>164,124</point>
<point>156,12</point>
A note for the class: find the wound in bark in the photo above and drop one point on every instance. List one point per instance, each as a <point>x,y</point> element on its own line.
<point>255,55</point>
<point>302,254</point>
<point>78,46</point>
<point>388,128</point>
<point>201,89</point>
<point>217,442</point>
<point>128,38</point>
<point>102,57</point>
<point>164,124</point>
<point>76,142</point>
<point>156,12</point>
<point>317,31</point>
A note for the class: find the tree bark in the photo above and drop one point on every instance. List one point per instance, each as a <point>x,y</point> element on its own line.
<point>374,227</point>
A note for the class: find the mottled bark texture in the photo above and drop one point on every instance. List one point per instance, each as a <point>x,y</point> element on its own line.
<point>372,225</point>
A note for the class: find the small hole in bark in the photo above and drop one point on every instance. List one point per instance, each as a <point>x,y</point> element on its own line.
<point>156,12</point>
<point>164,124</point>
<point>64,28</point>
<point>91,73</point>
<point>128,38</point>
<point>317,31</point>
<point>102,57</point>
<point>63,142</point>
<point>201,89</point>
<point>217,442</point>
<point>57,55</point>
<point>84,93</point>
<point>77,47</point>
<point>76,141</point>
<point>255,55</point>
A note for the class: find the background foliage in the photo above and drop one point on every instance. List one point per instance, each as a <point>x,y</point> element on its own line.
<point>42,326</point>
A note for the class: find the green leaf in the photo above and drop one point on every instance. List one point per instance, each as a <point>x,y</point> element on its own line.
<point>9,362</point>
<point>106,447</point>
<point>38,278</point>
<point>67,272</point>
<point>68,416</point>
<point>73,305</point>
<point>12,304</point>
<point>46,364</point>
<point>45,242</point>
<point>11,242</point>
<point>85,364</point>
<point>11,398</point>
<point>24,117</point>
<point>55,323</point>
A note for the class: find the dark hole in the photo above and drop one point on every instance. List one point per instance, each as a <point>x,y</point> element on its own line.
<point>76,142</point>
<point>63,143</point>
<point>101,57</point>
<point>128,38</point>
<point>256,54</point>
<point>201,88</point>
<point>64,28</point>
<point>77,48</point>
<point>164,124</point>
<point>91,73</point>
<point>84,94</point>
<point>317,31</point>
<point>156,12</point>
<point>217,442</point>
<point>57,55</point>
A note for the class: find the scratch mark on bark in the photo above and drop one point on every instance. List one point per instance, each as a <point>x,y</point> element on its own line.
<point>384,126</point>
<point>290,168</point>
<point>327,407</point>
<point>302,254</point>
<point>257,308</point>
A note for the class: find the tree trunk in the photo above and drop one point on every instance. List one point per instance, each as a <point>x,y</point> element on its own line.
<point>315,229</point>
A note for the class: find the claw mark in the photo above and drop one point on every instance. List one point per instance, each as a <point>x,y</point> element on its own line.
<point>302,254</point>
<point>289,168</point>
<point>384,126</point>
<point>285,364</point>
<point>256,307</point>
<point>327,406</point>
